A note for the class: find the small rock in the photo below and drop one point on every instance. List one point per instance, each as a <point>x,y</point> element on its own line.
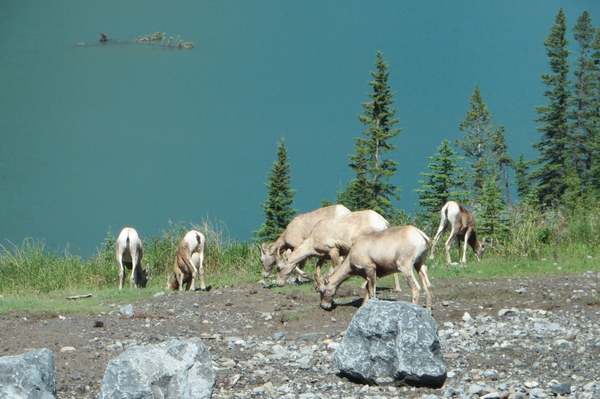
<point>67,349</point>
<point>278,336</point>
<point>563,388</point>
<point>127,310</point>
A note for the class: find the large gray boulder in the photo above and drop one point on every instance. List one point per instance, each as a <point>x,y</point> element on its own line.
<point>392,343</point>
<point>28,376</point>
<point>170,370</point>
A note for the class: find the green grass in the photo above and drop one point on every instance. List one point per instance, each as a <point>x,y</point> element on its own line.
<point>34,279</point>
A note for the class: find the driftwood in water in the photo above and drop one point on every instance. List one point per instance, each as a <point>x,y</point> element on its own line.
<point>79,296</point>
<point>155,39</point>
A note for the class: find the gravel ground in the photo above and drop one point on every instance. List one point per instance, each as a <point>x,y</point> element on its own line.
<point>508,338</point>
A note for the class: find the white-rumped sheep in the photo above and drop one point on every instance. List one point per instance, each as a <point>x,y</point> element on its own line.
<point>460,222</point>
<point>129,255</point>
<point>189,262</point>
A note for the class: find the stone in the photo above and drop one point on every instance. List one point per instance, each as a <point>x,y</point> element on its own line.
<point>561,389</point>
<point>392,343</point>
<point>127,310</point>
<point>175,369</point>
<point>278,336</point>
<point>67,349</point>
<point>30,375</point>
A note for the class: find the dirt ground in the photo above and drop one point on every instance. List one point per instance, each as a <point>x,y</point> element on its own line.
<point>83,344</point>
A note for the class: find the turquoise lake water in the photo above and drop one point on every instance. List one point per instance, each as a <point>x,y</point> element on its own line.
<point>99,137</point>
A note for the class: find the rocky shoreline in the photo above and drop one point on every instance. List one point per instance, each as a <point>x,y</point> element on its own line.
<point>540,340</point>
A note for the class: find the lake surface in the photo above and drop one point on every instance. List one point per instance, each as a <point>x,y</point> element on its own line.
<point>98,137</point>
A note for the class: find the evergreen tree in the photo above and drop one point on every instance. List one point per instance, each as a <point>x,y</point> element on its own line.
<point>280,198</point>
<point>556,180</point>
<point>583,130</point>
<point>445,182</point>
<point>479,134</point>
<point>523,180</point>
<point>595,115</point>
<point>371,188</point>
<point>491,210</point>
<point>502,161</point>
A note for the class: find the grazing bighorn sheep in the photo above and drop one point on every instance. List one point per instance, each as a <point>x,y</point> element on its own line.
<point>129,255</point>
<point>295,233</point>
<point>460,222</point>
<point>379,254</point>
<point>189,262</point>
<point>329,240</point>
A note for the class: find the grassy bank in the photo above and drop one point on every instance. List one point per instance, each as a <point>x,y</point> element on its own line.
<point>33,278</point>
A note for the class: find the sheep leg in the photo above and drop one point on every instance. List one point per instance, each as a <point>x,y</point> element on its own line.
<point>466,242</point>
<point>318,268</point>
<point>334,255</point>
<point>121,273</point>
<point>422,271</point>
<point>371,277</point>
<point>179,277</point>
<point>396,283</point>
<point>438,235</point>
<point>406,270</point>
<point>448,245</point>
<point>200,263</point>
<point>367,286</point>
<point>192,284</point>
<point>134,269</point>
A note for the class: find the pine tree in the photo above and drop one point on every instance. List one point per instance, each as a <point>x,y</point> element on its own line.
<point>556,180</point>
<point>595,116</point>
<point>478,133</point>
<point>445,182</point>
<point>583,130</point>
<point>280,198</point>
<point>371,188</point>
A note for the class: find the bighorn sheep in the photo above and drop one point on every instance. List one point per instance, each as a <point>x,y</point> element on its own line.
<point>329,240</point>
<point>296,231</point>
<point>129,254</point>
<point>460,222</point>
<point>189,262</point>
<point>379,254</point>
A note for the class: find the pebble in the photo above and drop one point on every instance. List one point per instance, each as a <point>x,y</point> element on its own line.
<point>538,346</point>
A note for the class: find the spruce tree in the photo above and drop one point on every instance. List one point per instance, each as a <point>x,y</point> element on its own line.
<point>595,116</point>
<point>491,210</point>
<point>502,161</point>
<point>583,129</point>
<point>445,182</point>
<point>371,188</point>
<point>277,208</point>
<point>524,183</point>
<point>555,179</point>
<point>479,136</point>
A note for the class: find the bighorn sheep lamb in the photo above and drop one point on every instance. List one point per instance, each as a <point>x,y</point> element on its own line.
<point>296,231</point>
<point>129,254</point>
<point>460,222</point>
<point>189,262</point>
<point>379,254</point>
<point>329,240</point>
